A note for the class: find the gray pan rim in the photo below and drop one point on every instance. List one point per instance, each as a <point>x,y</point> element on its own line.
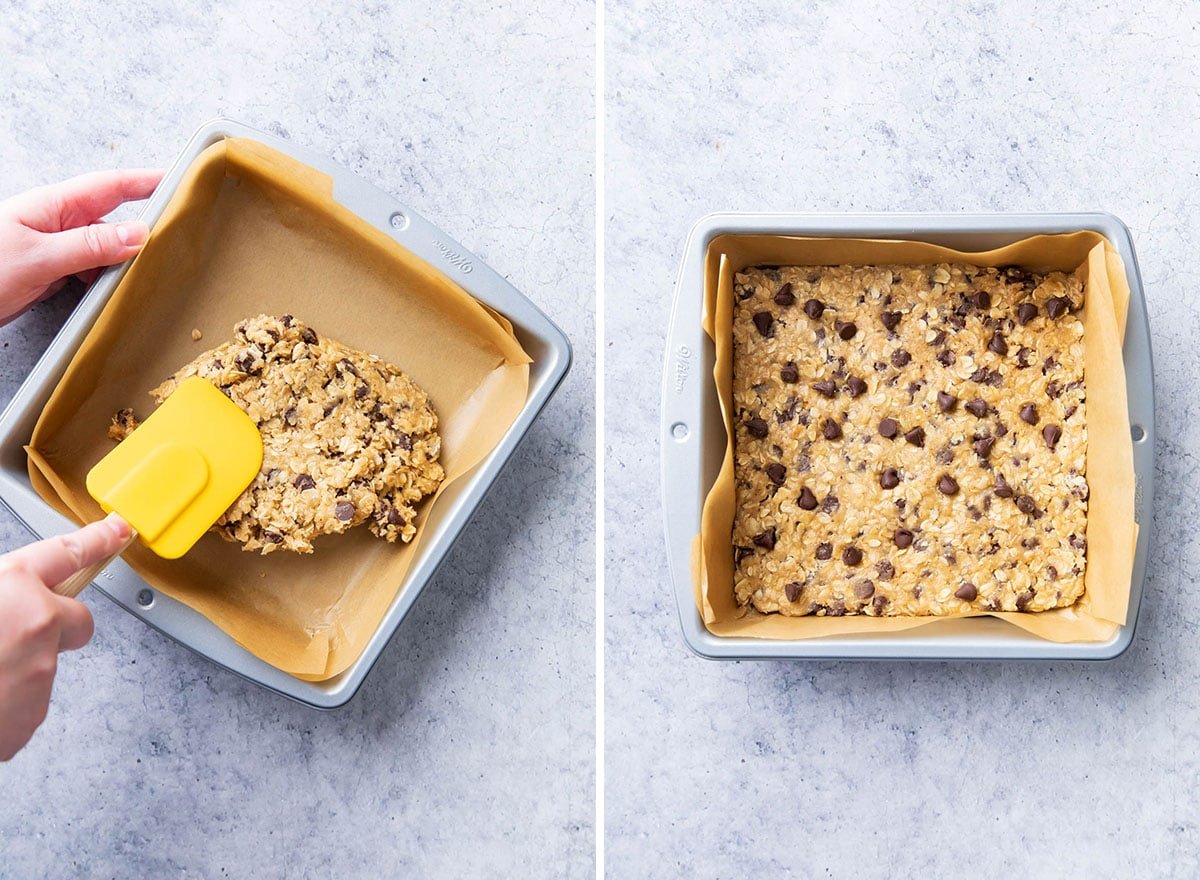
<point>683,401</point>
<point>549,345</point>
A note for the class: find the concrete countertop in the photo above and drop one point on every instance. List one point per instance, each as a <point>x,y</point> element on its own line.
<point>469,750</point>
<point>720,769</point>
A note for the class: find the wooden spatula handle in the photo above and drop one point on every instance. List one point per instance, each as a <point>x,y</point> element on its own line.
<point>74,585</point>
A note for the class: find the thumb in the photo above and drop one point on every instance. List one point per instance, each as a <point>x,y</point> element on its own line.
<point>89,247</point>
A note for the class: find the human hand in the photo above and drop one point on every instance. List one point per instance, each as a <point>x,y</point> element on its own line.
<point>35,623</point>
<point>52,232</point>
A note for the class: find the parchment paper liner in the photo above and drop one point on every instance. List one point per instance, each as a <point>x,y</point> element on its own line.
<point>1111,531</point>
<point>251,230</point>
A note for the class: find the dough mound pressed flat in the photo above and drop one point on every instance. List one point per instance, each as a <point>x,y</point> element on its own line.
<point>347,437</point>
<point>909,440</point>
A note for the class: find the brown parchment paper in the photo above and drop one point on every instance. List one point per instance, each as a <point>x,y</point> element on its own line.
<point>1111,531</point>
<point>250,230</point>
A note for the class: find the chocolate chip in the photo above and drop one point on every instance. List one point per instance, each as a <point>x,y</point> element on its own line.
<point>915,436</point>
<point>889,479</point>
<point>977,407</point>
<point>784,296</point>
<point>286,320</point>
<point>1023,354</point>
<point>1026,504</point>
<point>824,550</point>
<point>1077,542</point>
<point>289,416</point>
<point>304,481</point>
<point>1053,390</point>
<point>902,538</point>
<point>864,588</point>
<point>1029,414</point>
<point>1052,572</point>
<point>878,604</point>
<point>945,357</point>
<point>1051,434</point>
<point>947,485</point>
<point>830,503</point>
<point>360,392</point>
<point>757,427</point>
<point>1026,312</point>
<point>765,322</point>
<point>890,319</point>
<point>857,386</point>
<point>886,569</point>
<point>845,329</point>
<point>792,591</point>
<point>997,344</point>
<point>790,373</point>
<point>1057,306</point>
<point>814,308</point>
<point>404,441</point>
<point>776,472</point>
<point>344,511</point>
<point>273,536</point>
<point>946,401</point>
<point>1002,489</point>
<point>788,412</point>
<point>394,517</point>
<point>825,387</point>
<point>807,500</point>
<point>982,300</point>
<point>900,358</point>
<point>967,592</point>
<point>983,446</point>
<point>1001,429</point>
<point>831,430</point>
<point>244,362</point>
<point>852,556</point>
<point>889,428</point>
<point>766,539</point>
<point>309,335</point>
<point>1025,598</point>
<point>740,553</point>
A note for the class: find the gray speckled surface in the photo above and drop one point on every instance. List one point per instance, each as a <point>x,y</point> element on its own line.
<point>469,750</point>
<point>902,770</point>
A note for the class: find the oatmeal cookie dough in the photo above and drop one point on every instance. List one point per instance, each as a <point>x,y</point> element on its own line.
<point>908,440</point>
<point>347,437</point>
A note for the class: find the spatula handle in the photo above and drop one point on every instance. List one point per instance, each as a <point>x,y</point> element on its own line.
<point>74,585</point>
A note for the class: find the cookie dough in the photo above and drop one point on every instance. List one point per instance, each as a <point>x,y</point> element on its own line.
<point>347,437</point>
<point>908,440</point>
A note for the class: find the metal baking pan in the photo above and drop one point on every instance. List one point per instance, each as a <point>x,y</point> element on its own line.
<point>545,343</point>
<point>693,439</point>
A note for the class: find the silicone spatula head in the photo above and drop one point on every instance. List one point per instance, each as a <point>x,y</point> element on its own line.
<point>180,469</point>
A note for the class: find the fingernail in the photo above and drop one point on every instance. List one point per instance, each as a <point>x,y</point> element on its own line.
<point>132,232</point>
<point>117,524</point>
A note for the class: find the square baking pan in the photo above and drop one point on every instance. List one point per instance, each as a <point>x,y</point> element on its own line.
<point>545,343</point>
<point>692,433</point>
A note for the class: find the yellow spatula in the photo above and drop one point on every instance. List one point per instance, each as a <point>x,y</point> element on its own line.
<point>176,474</point>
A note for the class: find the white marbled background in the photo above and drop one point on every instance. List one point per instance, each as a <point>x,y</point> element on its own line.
<point>469,751</point>
<point>897,769</point>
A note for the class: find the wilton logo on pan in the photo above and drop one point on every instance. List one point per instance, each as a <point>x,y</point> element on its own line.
<point>682,366</point>
<point>454,258</point>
